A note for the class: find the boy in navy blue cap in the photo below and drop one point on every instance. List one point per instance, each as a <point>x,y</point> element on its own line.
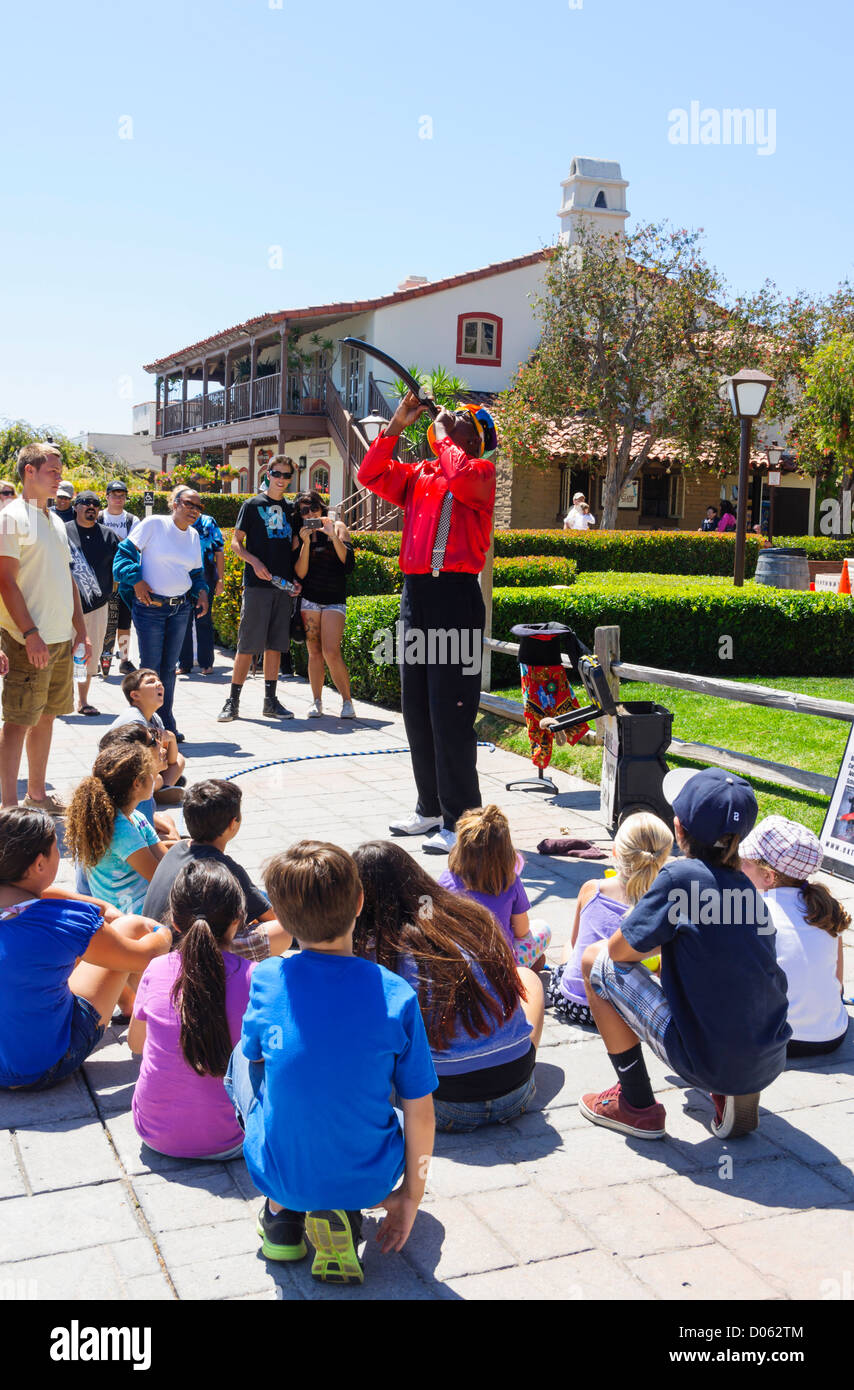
<point>718,1015</point>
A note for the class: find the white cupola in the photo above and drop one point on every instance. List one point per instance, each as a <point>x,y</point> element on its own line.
<point>595,192</point>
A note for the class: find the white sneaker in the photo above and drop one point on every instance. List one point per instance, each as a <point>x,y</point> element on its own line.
<point>347,711</point>
<point>415,825</point>
<point>440,842</point>
<point>315,710</point>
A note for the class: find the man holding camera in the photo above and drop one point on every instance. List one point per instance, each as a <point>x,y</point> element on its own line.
<point>265,540</point>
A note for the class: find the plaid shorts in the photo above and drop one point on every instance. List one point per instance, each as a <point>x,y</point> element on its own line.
<point>637,995</point>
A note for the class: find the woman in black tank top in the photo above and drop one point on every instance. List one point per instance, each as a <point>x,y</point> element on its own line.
<point>325,559</point>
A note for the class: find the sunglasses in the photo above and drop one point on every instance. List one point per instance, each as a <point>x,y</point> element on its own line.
<point>191,506</point>
<point>7,492</point>
<point>274,473</point>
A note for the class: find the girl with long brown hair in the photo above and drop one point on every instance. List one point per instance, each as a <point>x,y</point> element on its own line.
<point>483,1013</point>
<point>113,841</point>
<point>186,1021</point>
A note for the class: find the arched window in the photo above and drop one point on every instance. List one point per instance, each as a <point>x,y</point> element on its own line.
<point>600,200</point>
<point>243,480</point>
<point>479,339</point>
<point>318,478</point>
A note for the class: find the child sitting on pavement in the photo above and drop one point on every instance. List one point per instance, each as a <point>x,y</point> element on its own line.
<point>484,865</point>
<point>143,690</point>
<point>212,817</point>
<point>778,857</point>
<point>641,847</point>
<point>718,1014</point>
<point>64,961</point>
<point>186,1020</point>
<point>326,1039</point>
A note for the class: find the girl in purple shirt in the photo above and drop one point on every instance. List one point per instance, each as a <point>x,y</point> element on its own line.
<point>484,865</point>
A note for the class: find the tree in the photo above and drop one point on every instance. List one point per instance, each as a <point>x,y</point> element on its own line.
<point>79,465</point>
<point>824,420</point>
<point>636,336</point>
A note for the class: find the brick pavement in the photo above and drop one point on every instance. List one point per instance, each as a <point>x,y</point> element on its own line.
<point>545,1207</point>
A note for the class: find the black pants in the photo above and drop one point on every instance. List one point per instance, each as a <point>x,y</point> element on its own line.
<point>441,650</point>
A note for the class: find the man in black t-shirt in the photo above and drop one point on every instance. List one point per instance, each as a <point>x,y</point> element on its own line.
<point>93,548</point>
<point>265,540</point>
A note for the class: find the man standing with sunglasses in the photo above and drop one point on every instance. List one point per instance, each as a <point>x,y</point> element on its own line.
<point>265,540</point>
<point>93,549</point>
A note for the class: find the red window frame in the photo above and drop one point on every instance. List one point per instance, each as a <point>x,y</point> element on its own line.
<point>495,361</point>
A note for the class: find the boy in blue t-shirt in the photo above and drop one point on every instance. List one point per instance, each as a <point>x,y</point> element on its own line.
<point>718,1015</point>
<point>326,1039</point>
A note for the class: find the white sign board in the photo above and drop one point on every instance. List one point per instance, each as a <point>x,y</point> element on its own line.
<point>827,583</point>
<point>837,833</point>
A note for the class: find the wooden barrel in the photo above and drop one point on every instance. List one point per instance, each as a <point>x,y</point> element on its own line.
<point>782,567</point>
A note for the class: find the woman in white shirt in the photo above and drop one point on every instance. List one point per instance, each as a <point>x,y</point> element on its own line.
<point>169,577</point>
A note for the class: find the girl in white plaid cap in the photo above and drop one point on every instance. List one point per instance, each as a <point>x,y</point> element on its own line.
<point>778,856</point>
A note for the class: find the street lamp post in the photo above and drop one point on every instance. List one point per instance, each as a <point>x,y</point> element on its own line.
<point>371,426</point>
<point>746,391</point>
<point>775,453</point>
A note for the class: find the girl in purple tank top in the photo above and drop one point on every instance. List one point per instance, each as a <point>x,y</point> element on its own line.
<point>641,847</point>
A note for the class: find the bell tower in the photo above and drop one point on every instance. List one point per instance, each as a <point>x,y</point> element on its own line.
<point>594,193</point>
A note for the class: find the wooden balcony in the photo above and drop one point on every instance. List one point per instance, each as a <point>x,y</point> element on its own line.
<point>304,394</point>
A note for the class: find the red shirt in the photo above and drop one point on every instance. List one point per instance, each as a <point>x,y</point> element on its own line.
<point>420,488</point>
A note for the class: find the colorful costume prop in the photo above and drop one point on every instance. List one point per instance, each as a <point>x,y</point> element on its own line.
<point>547,691</point>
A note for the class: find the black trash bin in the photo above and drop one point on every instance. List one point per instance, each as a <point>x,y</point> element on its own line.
<point>633,766</point>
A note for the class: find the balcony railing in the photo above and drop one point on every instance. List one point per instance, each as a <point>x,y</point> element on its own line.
<point>305,394</point>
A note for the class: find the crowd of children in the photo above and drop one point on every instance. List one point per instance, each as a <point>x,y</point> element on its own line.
<point>326,1024</point>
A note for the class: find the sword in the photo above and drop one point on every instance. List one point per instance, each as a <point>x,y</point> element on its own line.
<point>415,386</point>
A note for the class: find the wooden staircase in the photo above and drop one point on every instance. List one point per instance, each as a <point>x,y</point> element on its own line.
<point>361,510</point>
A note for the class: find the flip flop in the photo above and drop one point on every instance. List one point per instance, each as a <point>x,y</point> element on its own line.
<point>88,710</point>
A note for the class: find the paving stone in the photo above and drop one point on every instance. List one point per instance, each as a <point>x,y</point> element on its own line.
<point>595,1157</point>
<point>112,1074</point>
<point>240,1174</point>
<point>582,1278</point>
<point>529,1223</point>
<point>150,1286</point>
<point>191,1197</point>
<point>448,1240</point>
<point>794,1090</point>
<point>631,1220</point>
<point>136,1157</point>
<point>709,1272</point>
<point>820,1134</point>
<point>63,1102</point>
<point>689,1117</point>
<point>807,1255</point>
<point>477,1169</point>
<point>66,1153</point>
<point>11,1178</point>
<point>232,1275</point>
<point>744,1192</point>
<point>54,1223</point>
<point>195,1244</point>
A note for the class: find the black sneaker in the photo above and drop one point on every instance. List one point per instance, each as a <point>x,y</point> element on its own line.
<point>229,711</point>
<point>335,1236</point>
<point>282,1234</point>
<point>275,710</point>
<point>126,667</point>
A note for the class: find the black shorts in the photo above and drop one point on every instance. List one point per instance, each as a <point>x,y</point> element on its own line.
<point>265,621</point>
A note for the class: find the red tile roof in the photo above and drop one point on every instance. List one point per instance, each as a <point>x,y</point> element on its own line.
<point>265,322</point>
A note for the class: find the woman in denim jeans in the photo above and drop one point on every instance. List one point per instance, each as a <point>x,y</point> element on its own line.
<point>483,1013</point>
<point>159,573</point>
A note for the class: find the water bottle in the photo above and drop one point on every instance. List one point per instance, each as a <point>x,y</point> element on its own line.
<point>284,584</point>
<point>79,662</point>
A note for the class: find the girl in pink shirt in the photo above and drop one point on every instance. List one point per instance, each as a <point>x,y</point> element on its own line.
<point>186,1021</point>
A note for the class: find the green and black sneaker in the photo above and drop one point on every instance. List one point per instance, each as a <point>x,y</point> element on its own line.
<point>282,1234</point>
<point>335,1236</point>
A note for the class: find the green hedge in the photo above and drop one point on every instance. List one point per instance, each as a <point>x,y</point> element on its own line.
<point>380,542</point>
<point>774,632</point>
<point>525,571</point>
<point>222,506</point>
<point>646,552</point>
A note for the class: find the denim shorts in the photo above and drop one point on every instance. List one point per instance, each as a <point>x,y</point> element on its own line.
<point>308,607</point>
<point>463,1116</point>
<point>86,1033</point>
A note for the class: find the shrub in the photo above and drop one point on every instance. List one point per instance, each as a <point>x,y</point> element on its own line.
<point>380,542</point>
<point>647,552</point>
<point>524,571</point>
<point>222,506</point>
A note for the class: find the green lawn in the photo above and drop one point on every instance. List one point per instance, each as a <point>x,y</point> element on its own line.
<point>804,741</point>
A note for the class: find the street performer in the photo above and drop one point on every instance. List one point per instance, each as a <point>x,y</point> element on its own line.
<point>447,504</point>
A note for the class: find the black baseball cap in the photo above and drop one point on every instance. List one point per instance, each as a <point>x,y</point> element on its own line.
<point>87,499</point>
<point>117,486</point>
<point>711,803</point>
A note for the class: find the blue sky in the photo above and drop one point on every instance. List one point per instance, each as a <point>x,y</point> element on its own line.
<point>254,126</point>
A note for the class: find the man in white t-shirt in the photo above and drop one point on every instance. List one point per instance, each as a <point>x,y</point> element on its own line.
<point>42,619</point>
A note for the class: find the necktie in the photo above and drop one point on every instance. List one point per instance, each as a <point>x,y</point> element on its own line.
<point>443,531</point>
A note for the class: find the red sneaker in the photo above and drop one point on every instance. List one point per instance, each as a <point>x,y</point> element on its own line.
<point>735,1115</point>
<point>608,1108</point>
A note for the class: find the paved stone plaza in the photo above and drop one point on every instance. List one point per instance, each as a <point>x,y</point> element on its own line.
<point>547,1207</point>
